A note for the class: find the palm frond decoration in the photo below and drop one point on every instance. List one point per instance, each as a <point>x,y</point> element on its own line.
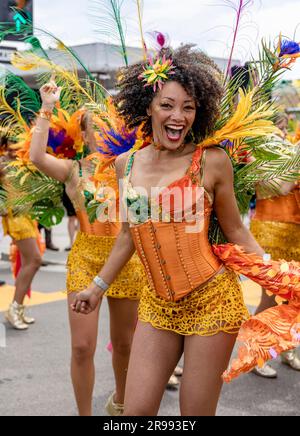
<point>20,96</point>
<point>268,169</point>
<point>35,194</point>
<point>75,94</point>
<point>274,162</point>
<point>261,75</point>
<point>107,16</point>
<point>249,131</point>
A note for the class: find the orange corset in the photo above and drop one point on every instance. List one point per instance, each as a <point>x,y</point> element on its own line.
<point>283,209</point>
<point>97,228</point>
<point>176,262</point>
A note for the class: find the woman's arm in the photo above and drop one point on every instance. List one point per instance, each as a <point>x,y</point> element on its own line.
<point>57,168</point>
<point>225,205</point>
<point>121,253</point>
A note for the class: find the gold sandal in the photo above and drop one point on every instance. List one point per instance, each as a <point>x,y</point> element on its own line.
<point>112,408</point>
<point>173,383</point>
<point>178,371</point>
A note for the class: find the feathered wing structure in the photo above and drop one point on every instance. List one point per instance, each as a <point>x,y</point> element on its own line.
<point>30,191</point>
<point>65,134</point>
<point>65,139</point>
<point>250,132</point>
<point>35,193</point>
<point>245,130</point>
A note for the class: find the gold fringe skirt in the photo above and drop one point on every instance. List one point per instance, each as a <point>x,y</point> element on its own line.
<point>19,227</point>
<point>281,240</point>
<point>218,307</point>
<point>87,257</point>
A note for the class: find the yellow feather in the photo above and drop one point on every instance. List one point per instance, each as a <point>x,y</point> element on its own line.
<point>30,61</point>
<point>243,123</point>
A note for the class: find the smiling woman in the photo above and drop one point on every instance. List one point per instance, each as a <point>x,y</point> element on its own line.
<point>198,76</point>
<point>192,303</point>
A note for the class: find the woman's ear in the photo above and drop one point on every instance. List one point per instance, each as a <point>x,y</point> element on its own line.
<point>149,112</point>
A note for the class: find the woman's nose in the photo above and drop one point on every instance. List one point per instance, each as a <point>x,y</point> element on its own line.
<point>177,115</point>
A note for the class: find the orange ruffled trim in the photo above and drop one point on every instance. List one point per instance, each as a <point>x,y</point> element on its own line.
<point>277,276</point>
<point>275,330</point>
<point>264,337</point>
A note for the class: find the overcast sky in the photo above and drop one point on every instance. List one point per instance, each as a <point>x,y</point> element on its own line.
<point>208,23</point>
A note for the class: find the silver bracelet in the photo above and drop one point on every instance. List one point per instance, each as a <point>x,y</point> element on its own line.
<point>101,283</point>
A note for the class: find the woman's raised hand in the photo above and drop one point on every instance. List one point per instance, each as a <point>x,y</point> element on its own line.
<point>50,93</point>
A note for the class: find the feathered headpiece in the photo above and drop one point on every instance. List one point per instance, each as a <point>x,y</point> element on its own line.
<point>158,68</point>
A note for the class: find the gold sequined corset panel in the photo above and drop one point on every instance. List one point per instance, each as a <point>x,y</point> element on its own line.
<point>282,209</point>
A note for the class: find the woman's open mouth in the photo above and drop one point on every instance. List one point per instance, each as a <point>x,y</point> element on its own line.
<point>174,133</point>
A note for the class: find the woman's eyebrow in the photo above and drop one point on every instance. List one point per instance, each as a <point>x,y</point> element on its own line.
<point>172,99</point>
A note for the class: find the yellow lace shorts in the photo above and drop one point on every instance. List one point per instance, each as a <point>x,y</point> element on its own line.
<point>218,307</point>
<point>89,254</point>
<point>19,227</point>
<point>281,240</point>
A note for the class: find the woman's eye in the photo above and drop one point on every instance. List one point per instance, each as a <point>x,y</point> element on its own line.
<point>166,105</point>
<point>189,108</point>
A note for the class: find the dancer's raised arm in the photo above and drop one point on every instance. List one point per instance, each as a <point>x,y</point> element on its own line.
<point>57,168</point>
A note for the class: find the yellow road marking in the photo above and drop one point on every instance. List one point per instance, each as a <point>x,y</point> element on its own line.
<point>251,290</point>
<point>252,293</point>
<point>7,293</point>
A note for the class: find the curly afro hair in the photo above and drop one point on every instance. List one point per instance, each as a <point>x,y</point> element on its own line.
<point>195,71</point>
